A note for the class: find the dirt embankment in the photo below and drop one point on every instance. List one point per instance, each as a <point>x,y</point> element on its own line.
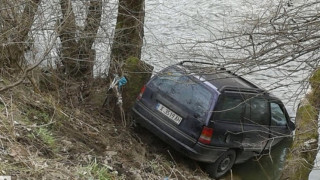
<point>42,138</point>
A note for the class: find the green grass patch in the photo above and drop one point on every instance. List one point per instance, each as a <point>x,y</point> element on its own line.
<point>300,159</point>
<point>307,116</point>
<point>315,79</point>
<point>96,171</point>
<point>46,137</point>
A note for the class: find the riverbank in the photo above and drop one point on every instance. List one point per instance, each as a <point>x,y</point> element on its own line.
<point>304,149</point>
<point>42,137</point>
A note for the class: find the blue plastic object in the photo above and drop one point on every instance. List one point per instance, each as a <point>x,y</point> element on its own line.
<point>122,81</point>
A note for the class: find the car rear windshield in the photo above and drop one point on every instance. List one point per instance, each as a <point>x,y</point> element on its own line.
<point>194,95</point>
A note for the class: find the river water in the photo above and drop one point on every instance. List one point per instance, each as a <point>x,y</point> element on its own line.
<point>175,30</point>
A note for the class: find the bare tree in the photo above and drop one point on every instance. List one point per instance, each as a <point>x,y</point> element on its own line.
<point>77,55</point>
<point>15,23</point>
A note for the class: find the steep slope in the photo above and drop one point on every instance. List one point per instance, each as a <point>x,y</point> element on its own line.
<point>43,138</point>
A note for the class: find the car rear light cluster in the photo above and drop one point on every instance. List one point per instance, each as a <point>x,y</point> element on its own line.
<point>206,135</point>
<point>141,92</point>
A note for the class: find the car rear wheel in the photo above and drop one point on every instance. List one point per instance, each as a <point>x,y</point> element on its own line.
<point>222,165</point>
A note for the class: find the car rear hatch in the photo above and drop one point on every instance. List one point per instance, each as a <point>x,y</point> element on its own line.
<point>181,104</point>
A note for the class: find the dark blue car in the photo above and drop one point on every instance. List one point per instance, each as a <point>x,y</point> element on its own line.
<point>211,115</point>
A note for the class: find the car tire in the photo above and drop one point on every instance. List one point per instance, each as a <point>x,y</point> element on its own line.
<point>222,165</point>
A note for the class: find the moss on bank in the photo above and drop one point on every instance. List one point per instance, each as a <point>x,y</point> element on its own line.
<point>300,160</point>
<point>137,73</point>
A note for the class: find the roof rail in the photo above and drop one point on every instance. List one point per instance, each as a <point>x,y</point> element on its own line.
<point>241,89</point>
<point>196,62</point>
<point>252,84</point>
<point>243,79</point>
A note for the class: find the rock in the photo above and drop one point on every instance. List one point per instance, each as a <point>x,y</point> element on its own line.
<point>137,176</point>
<point>67,145</point>
<point>109,167</point>
<point>66,142</point>
<point>309,144</point>
<point>115,173</point>
<point>111,153</point>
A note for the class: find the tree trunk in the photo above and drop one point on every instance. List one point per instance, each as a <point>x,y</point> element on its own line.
<point>14,32</point>
<point>77,55</point>
<point>128,38</point>
<point>86,41</point>
<point>126,50</point>
<point>67,34</point>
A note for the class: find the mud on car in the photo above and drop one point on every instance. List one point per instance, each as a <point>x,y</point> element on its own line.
<point>211,115</point>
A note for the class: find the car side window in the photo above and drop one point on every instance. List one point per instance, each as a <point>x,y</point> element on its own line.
<point>229,108</point>
<point>257,111</point>
<point>278,118</point>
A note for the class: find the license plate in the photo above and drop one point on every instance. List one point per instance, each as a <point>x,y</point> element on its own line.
<point>167,112</point>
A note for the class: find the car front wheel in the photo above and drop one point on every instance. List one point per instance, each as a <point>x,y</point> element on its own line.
<point>222,165</point>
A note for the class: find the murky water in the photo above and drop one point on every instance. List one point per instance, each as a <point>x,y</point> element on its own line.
<point>265,168</point>
<point>172,34</point>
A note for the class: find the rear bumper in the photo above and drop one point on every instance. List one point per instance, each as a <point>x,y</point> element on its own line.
<point>157,126</point>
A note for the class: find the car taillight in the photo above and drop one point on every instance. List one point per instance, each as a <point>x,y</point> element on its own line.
<point>206,135</point>
<point>141,92</point>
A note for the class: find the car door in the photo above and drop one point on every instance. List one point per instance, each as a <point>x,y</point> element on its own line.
<point>227,120</point>
<point>279,123</point>
<point>256,124</point>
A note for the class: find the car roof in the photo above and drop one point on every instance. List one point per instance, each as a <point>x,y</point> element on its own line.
<point>222,79</point>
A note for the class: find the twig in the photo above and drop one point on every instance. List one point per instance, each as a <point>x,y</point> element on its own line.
<point>5,105</point>
<point>263,170</point>
<point>231,174</point>
<point>42,125</point>
<point>79,121</point>
<point>172,157</point>
<point>54,112</point>
<point>270,156</point>
<point>12,121</point>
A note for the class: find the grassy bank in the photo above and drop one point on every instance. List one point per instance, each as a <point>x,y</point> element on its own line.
<point>42,137</point>
<point>303,152</point>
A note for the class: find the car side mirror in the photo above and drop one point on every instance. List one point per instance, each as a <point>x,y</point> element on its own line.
<point>291,125</point>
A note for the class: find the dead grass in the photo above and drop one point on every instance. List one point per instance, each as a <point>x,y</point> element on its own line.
<point>43,138</point>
